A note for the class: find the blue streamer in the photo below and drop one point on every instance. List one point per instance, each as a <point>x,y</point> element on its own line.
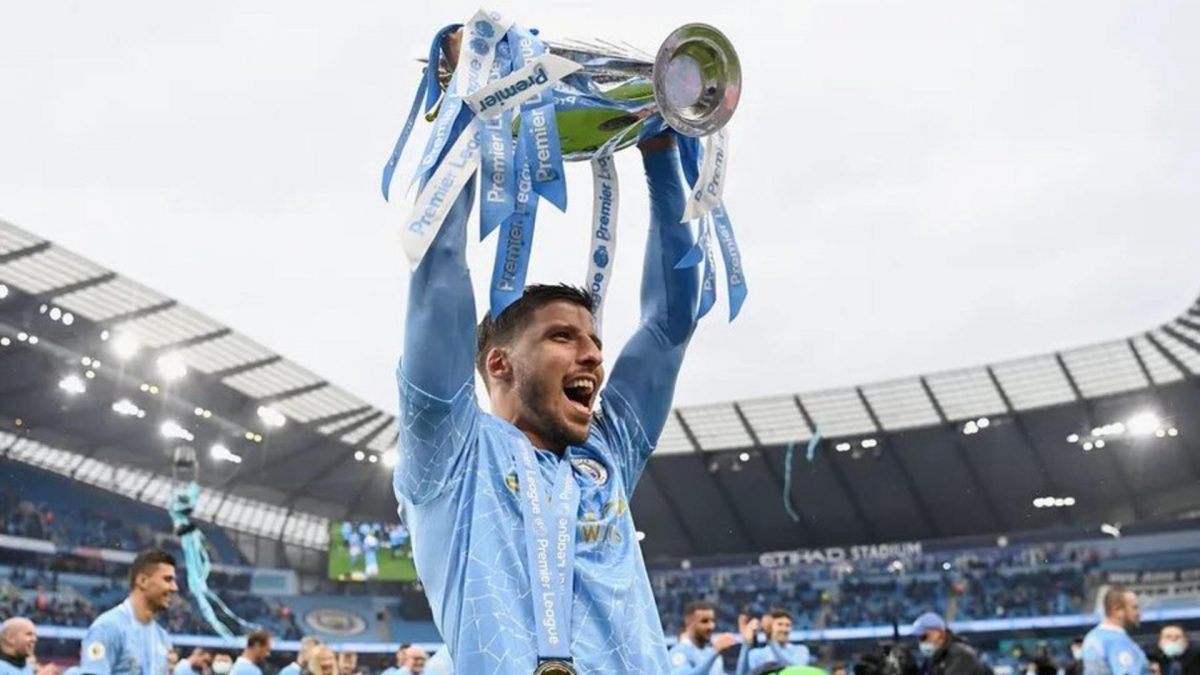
<point>788,457</point>
<point>516,240</point>
<point>428,90</point>
<point>197,562</point>
<point>708,284</point>
<point>735,279</point>
<point>497,200</point>
<point>539,125</point>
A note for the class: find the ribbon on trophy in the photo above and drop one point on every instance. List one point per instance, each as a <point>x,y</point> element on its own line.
<point>605,201</point>
<point>517,107</point>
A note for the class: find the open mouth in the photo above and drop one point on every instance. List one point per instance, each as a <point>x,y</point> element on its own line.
<point>581,392</point>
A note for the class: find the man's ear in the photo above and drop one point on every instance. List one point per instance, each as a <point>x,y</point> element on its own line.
<point>498,365</point>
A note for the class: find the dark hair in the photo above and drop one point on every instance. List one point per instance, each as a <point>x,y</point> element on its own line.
<point>146,561</point>
<point>512,320</point>
<point>258,637</point>
<point>697,606</point>
<point>1114,599</point>
<point>780,613</point>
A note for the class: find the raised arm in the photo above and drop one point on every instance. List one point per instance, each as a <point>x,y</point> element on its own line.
<point>645,373</point>
<point>438,412</point>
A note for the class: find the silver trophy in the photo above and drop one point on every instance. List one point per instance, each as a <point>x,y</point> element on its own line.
<point>693,84</point>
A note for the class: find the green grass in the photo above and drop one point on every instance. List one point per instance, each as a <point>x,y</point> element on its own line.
<point>400,568</point>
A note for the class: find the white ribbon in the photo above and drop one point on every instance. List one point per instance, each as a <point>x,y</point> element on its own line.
<point>440,193</point>
<point>711,185</point>
<point>603,250</point>
<point>519,86</point>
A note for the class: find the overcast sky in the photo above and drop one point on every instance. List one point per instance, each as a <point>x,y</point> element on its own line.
<point>916,186</point>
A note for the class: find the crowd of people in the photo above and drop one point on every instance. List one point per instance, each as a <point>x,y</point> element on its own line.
<point>1018,581</point>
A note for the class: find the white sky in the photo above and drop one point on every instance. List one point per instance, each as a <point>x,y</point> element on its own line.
<point>916,186</point>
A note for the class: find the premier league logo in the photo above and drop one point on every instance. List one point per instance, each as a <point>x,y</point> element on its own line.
<point>479,45</point>
<point>600,257</point>
<point>484,28</point>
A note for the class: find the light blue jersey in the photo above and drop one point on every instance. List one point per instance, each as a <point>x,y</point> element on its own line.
<point>1108,650</point>
<point>244,666</point>
<point>688,659</point>
<point>184,667</point>
<point>456,478</point>
<point>118,644</point>
<point>788,654</point>
<point>14,667</point>
<point>292,668</point>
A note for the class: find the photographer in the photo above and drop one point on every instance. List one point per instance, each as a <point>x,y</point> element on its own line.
<point>944,653</point>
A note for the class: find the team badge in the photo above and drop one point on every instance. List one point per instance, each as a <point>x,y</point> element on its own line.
<point>595,470</point>
<point>510,481</point>
<point>678,659</point>
<point>1125,659</point>
<point>95,651</point>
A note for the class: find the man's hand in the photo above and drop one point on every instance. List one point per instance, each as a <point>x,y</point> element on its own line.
<point>723,641</point>
<point>747,627</point>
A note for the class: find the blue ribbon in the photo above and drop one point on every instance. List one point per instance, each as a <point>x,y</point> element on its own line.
<point>428,90</point>
<point>539,125</point>
<point>198,564</point>
<point>708,283</point>
<point>497,200</point>
<point>516,240</point>
<point>550,549</point>
<point>810,451</point>
<point>735,280</point>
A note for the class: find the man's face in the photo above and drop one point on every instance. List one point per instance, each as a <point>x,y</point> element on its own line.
<point>556,371</point>
<point>172,658</point>
<point>1130,616</point>
<point>416,660</point>
<point>20,638</point>
<point>262,652</point>
<point>702,625</point>
<point>348,662</point>
<point>781,629</point>
<point>326,662</point>
<point>158,586</point>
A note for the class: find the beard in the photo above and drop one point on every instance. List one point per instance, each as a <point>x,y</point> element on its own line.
<point>539,401</point>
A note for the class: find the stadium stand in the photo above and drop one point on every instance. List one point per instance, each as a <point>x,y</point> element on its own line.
<point>995,478</point>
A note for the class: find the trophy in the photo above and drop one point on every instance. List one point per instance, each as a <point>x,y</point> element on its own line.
<point>510,107</point>
<point>693,84</point>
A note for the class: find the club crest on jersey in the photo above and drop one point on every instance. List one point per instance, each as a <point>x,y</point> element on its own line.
<point>95,651</point>
<point>510,482</point>
<point>595,470</point>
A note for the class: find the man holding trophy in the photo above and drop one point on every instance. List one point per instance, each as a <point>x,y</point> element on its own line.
<point>494,500</point>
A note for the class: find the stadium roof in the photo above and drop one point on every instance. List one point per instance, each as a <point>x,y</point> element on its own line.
<point>952,453</point>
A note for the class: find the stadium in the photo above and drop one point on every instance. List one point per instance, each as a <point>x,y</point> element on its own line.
<point>1078,469</point>
<point>861,468</point>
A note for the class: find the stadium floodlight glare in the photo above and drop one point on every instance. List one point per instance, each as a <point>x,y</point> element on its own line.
<point>22,336</point>
<point>4,342</point>
<point>372,458</point>
<point>1099,443</point>
<point>1143,423</point>
<point>128,408</point>
<point>745,457</point>
<point>104,336</point>
<point>68,318</point>
<point>72,384</point>
<point>1111,530</point>
<point>33,339</point>
<point>3,291</point>
<point>1088,446</point>
<point>271,417</point>
<point>55,313</point>
<point>389,459</point>
<point>983,423</point>
<point>125,346</point>
<point>43,308</point>
<point>1068,501</point>
<point>1073,438</point>
<point>171,367</point>
<point>171,429</point>
<point>221,453</point>
<point>1172,432</point>
<point>641,535</point>
<point>842,447</point>
<point>970,428</point>
<point>869,443</point>
<point>359,455</point>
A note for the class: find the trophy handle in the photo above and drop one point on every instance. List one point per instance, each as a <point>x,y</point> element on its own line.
<point>697,79</point>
